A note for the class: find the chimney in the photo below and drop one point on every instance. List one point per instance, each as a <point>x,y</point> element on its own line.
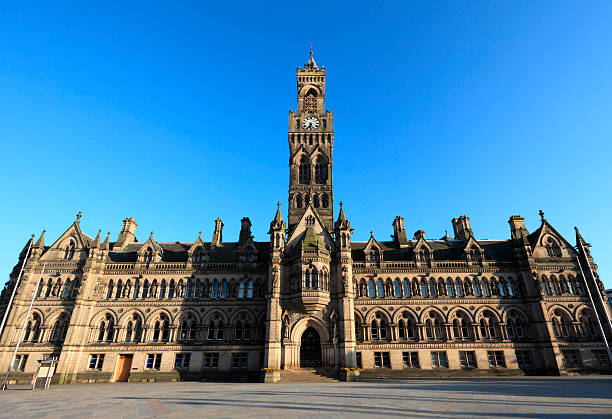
<point>461,227</point>
<point>218,233</point>
<point>127,233</point>
<point>399,233</point>
<point>517,227</point>
<point>245,230</point>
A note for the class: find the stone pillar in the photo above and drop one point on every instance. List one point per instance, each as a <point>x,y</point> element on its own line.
<point>272,357</point>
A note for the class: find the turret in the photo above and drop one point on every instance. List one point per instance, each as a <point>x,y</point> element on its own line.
<point>277,231</point>
<point>343,231</point>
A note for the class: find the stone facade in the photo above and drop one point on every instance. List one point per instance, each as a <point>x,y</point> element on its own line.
<point>310,296</point>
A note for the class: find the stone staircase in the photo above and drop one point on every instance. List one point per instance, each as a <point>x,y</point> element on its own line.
<point>310,375</point>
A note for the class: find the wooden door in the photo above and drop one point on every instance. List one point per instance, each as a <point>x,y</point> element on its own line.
<point>122,372</point>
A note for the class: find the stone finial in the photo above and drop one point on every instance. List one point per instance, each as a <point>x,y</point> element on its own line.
<point>78,217</point>
<point>542,215</point>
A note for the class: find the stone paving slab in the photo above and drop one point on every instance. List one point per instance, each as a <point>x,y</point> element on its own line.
<point>512,397</point>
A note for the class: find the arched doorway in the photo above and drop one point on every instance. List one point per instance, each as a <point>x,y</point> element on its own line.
<point>310,349</point>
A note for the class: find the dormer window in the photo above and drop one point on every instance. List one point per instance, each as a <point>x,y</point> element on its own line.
<point>553,248</point>
<point>148,255</point>
<point>248,257</point>
<point>69,250</point>
<point>424,255</point>
<point>198,255</point>
<point>474,255</point>
<point>374,255</point>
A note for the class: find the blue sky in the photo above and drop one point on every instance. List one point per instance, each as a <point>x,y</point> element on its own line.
<point>175,113</point>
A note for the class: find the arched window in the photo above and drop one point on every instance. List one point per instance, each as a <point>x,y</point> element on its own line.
<point>423,288</point>
<point>101,331</point>
<point>432,287</point>
<point>243,328</point>
<point>69,250</point>
<point>249,289</point>
<point>304,174</point>
<point>315,278</point>
<point>320,170</point>
<point>137,329</point>
<point>511,287</point>
<point>58,334</point>
<point>145,289</point>
<point>501,285</point>
<point>554,286</point>
<point>136,289</point>
<point>171,289</point>
<point>315,201</point>
<point>129,330</point>
<point>325,201</point>
<point>215,328</point>
<point>188,328</point>
<point>106,331</point>
<point>434,327</point>
<point>515,326</point>
<point>307,278</point>
<point>371,290</point>
<point>379,327</point>
<point>485,288</point>
<point>450,291</point>
<point>461,329</point>
<point>198,255</point>
<point>148,255</point>
<point>119,289</point>
<point>374,255</point>
<point>489,326</point>
<point>407,327</point>
<point>165,328</point>
<point>380,288</point>
<point>406,288</point>
<point>224,289</point>
<point>109,290</point>
<point>156,331</point>
<point>553,248</point>
<point>39,290</point>
<point>241,289</point>
<point>458,287</point>
<point>198,289</point>
<point>298,201</point>
<point>162,289</point>
<point>398,288</point>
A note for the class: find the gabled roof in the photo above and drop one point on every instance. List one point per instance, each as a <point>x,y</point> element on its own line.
<point>535,238</point>
<point>310,219</point>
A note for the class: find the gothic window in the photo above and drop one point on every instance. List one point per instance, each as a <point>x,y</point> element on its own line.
<point>458,287</point>
<point>314,278</point>
<point>432,288</point>
<point>516,326</point>
<point>129,330</point>
<point>461,329</point>
<point>379,327</point>
<point>58,334</point>
<point>433,327</point>
<point>69,250</point>
<point>127,289</point>
<point>66,290</point>
<point>249,289</point>
<point>243,328</point>
<point>106,331</point>
<point>552,248</point>
<point>304,175</point>
<point>137,329</point>
<point>171,289</point>
<point>315,201</point>
<point>198,289</point>
<point>136,289</point>
<point>489,326</point>
<point>298,201</point>
<point>503,288</point>
<point>162,289</point>
<point>307,279</point>
<point>563,285</point>
<point>119,289</point>
<point>188,328</point>
<point>145,289</point>
<point>39,290</point>
<point>165,328</point>
<point>189,291</point>
<point>374,255</point>
<point>307,202</point>
<point>423,288</point>
<point>371,290</point>
<point>407,327</point>
<point>148,255</point>
<point>511,291</point>
<point>324,200</point>
<point>198,255</point>
<point>156,331</point>
<point>398,288</point>
<point>406,288</point>
<point>320,170</point>
<point>241,289</point>
<point>215,328</point>
<point>485,288</point>
<point>449,288</point>
<point>109,291</point>
<point>224,289</point>
<point>380,288</point>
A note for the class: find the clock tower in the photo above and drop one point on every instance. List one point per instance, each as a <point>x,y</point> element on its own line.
<point>311,144</point>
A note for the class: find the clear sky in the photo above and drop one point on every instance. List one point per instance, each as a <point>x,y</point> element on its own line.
<point>176,113</point>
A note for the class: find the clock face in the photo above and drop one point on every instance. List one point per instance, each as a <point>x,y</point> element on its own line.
<point>311,122</point>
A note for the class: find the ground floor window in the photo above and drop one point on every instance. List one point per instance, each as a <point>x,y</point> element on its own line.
<point>496,359</point>
<point>382,360</point>
<point>153,361</point>
<point>358,356</point>
<point>20,362</point>
<point>600,356</point>
<point>211,360</point>
<point>240,360</point>
<point>524,359</point>
<point>182,361</point>
<point>439,359</point>
<point>571,358</point>
<point>468,359</point>
<point>96,361</point>
<point>411,359</point>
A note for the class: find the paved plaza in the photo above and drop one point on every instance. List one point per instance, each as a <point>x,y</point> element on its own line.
<point>548,397</point>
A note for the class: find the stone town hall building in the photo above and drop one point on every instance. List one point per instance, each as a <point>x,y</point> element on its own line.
<point>308,297</point>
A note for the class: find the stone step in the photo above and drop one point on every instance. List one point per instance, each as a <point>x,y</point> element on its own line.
<point>310,375</point>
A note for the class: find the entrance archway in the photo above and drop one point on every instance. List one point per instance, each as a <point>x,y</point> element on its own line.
<point>310,349</point>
